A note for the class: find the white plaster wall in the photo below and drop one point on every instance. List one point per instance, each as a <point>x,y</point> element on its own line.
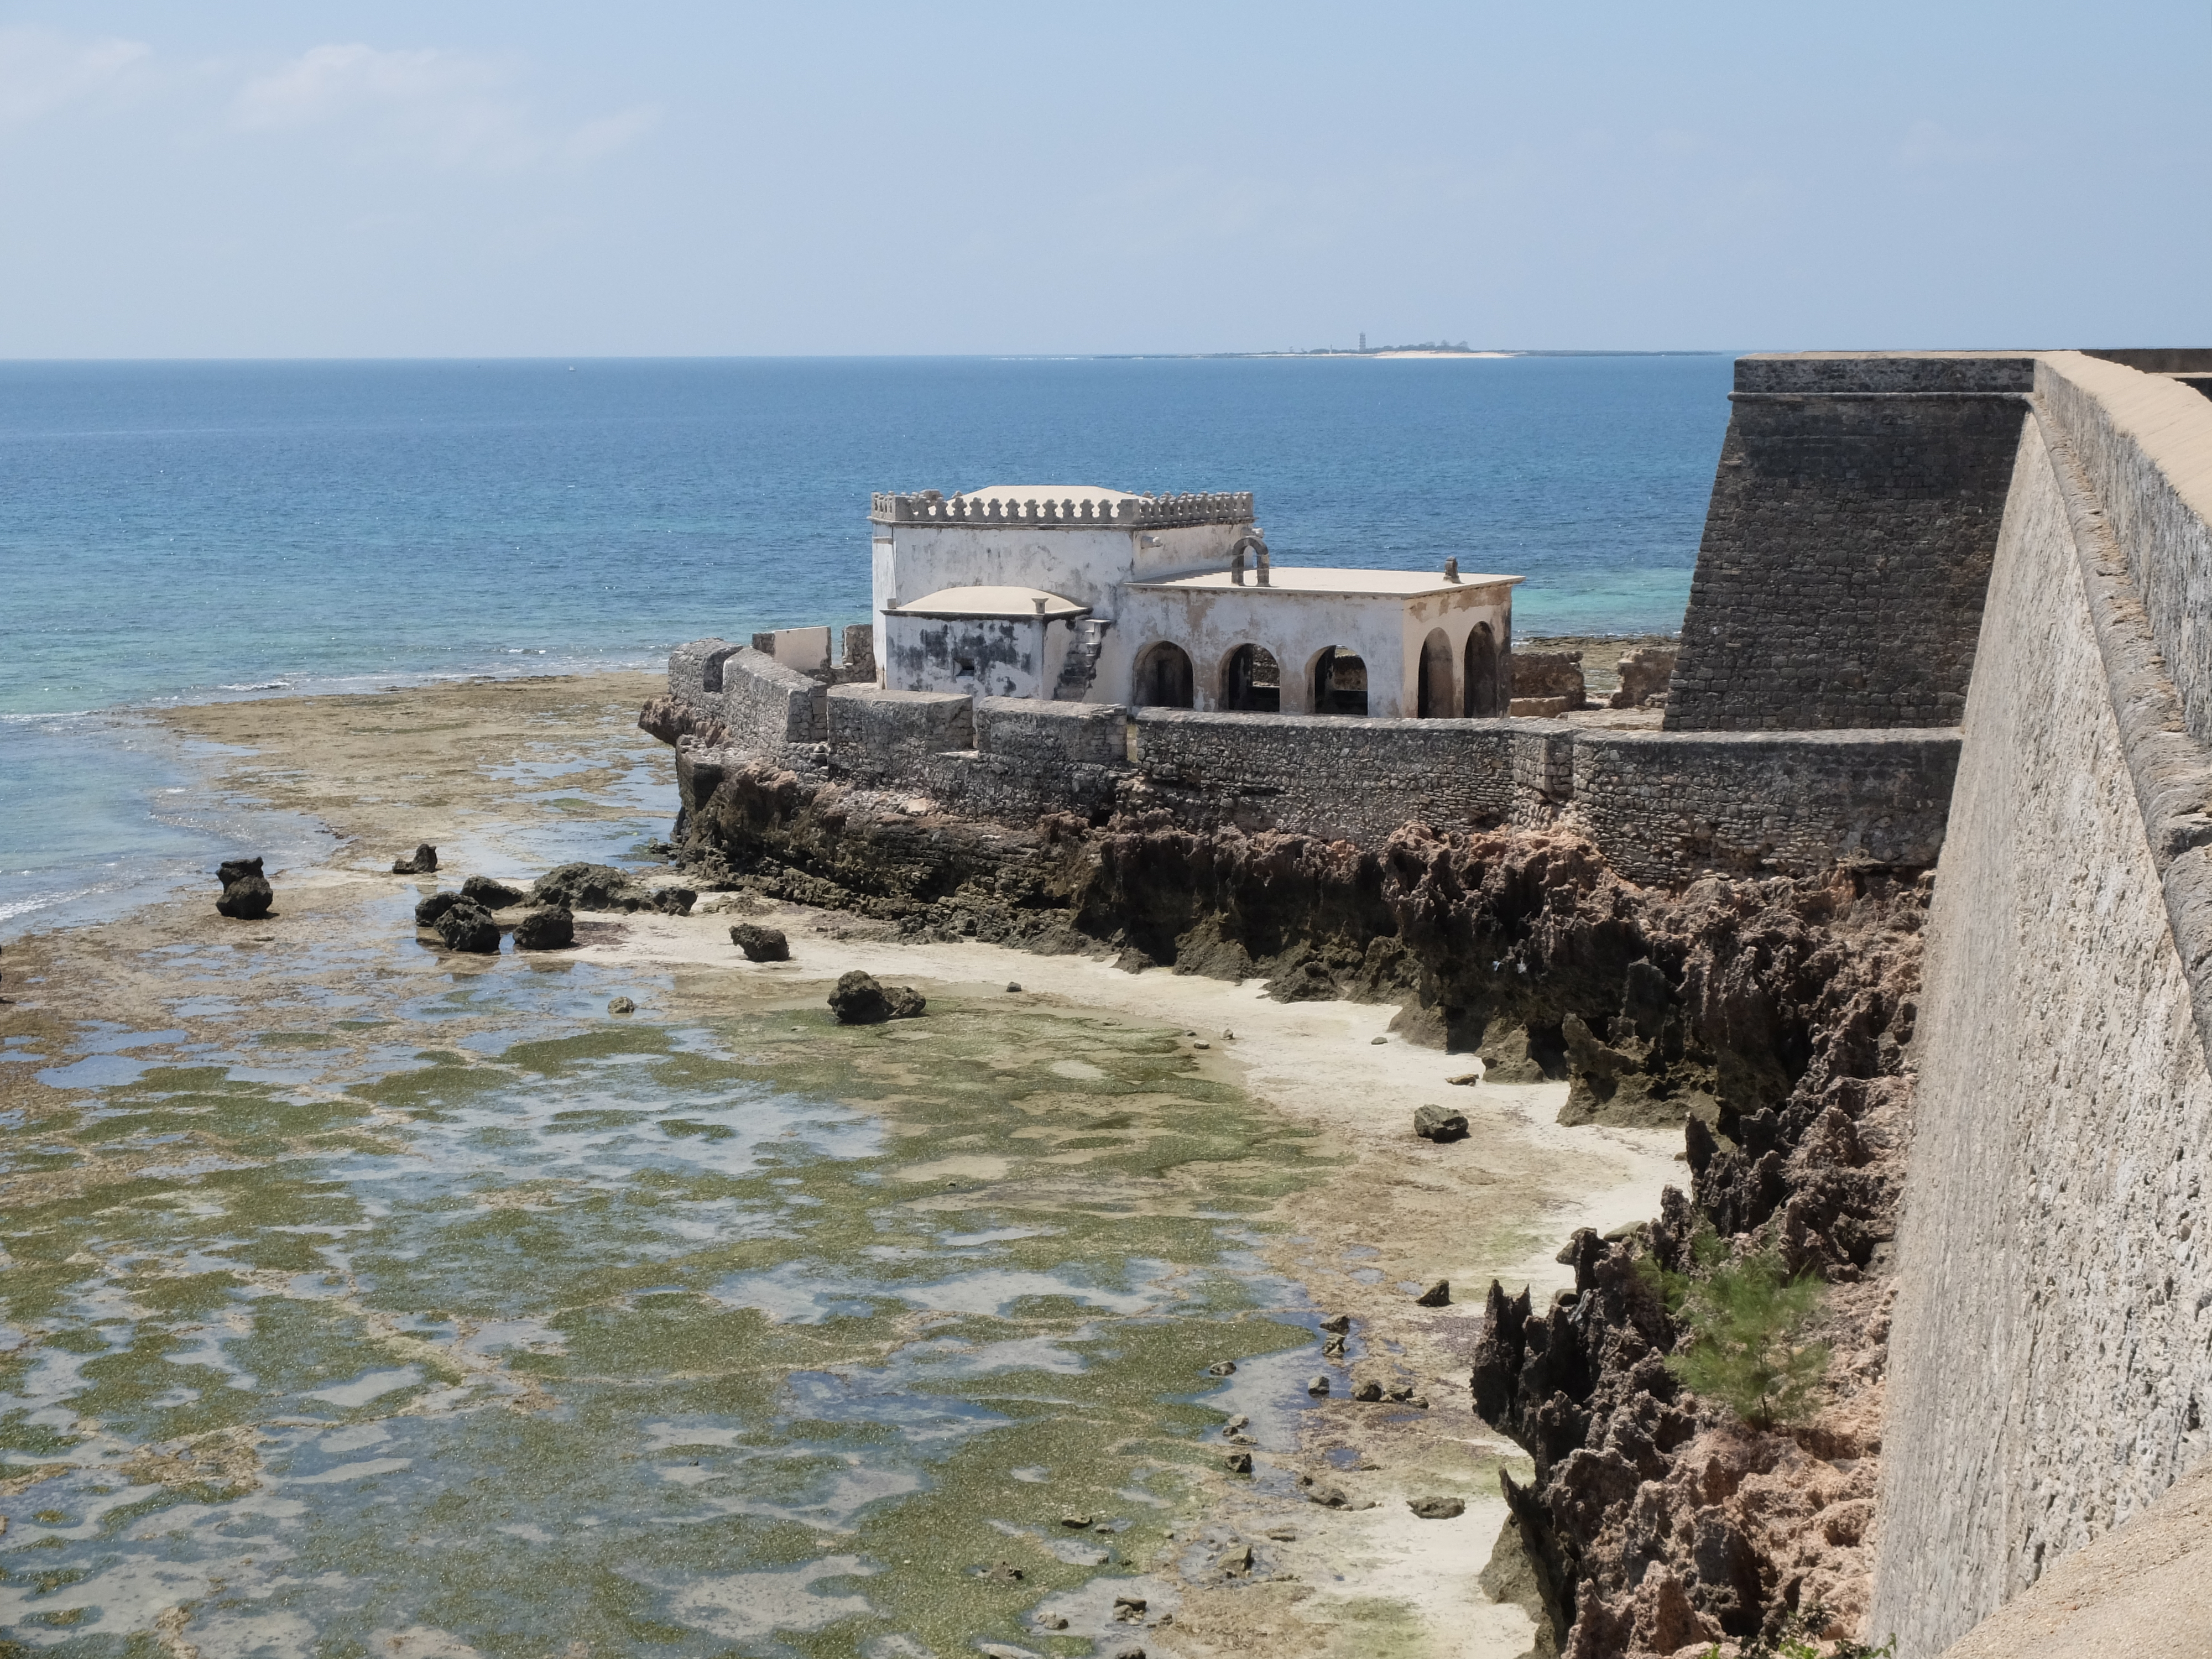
<point>1211,623</point>
<point>1456,614</point>
<point>1087,566</point>
<point>1386,633</point>
<point>2051,1348</point>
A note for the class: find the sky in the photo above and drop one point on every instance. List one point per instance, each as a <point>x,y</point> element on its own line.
<point>477,178</point>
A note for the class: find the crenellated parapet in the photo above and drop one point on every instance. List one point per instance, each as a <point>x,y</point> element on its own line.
<point>1119,513</point>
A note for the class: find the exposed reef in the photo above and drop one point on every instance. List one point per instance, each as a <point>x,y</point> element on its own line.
<point>1768,1016</point>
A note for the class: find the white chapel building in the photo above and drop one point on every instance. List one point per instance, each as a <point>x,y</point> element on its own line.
<point>1083,594</point>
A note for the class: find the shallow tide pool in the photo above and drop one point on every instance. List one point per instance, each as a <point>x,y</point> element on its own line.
<point>456,1315</point>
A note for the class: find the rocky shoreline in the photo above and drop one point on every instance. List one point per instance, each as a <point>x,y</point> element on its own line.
<point>1772,1017</point>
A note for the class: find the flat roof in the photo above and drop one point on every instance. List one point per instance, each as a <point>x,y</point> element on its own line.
<point>1046,493</point>
<point>1323,579</point>
<point>987,601</point>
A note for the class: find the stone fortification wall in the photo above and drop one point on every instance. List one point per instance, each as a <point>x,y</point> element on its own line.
<point>883,736</point>
<point>2138,439</point>
<point>1661,804</point>
<point>1337,777</point>
<point>1848,541</point>
<point>2051,1348</point>
<point>764,705</point>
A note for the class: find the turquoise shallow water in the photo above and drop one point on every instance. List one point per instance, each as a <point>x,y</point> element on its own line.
<point>196,530</point>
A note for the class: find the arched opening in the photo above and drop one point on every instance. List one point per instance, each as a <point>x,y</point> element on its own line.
<point>1433,699</point>
<point>1481,680</point>
<point>1163,677</point>
<point>1252,681</point>
<point>1339,683</point>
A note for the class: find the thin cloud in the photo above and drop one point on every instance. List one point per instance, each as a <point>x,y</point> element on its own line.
<point>41,71</point>
<point>449,109</point>
<point>612,133</point>
<point>1928,146</point>
<point>445,107</point>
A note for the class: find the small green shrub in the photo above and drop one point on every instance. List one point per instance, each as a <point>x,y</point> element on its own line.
<point>1745,1313</point>
<point>1797,1642</point>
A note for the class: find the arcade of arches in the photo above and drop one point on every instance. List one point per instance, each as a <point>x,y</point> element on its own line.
<point>1251,679</point>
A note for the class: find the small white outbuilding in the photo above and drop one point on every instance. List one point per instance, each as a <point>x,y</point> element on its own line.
<point>1081,593</point>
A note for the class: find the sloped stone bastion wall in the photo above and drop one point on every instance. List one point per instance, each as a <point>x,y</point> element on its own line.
<point>1848,542</point>
<point>2051,1348</point>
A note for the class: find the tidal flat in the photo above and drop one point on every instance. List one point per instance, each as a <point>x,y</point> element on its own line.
<point>359,1298</point>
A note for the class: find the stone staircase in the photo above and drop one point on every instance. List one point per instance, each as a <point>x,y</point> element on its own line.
<point>1081,667</point>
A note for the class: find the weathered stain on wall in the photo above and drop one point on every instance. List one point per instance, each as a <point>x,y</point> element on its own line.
<point>985,656</point>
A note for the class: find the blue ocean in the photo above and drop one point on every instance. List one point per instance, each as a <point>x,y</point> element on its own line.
<point>185,532</point>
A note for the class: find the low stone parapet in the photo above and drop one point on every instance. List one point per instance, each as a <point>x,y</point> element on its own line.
<point>1053,734</point>
<point>1662,805</point>
<point>878,735</point>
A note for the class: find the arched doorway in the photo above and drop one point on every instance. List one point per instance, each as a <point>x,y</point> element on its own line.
<point>1482,700</point>
<point>1252,681</point>
<point>1340,683</point>
<point>1433,699</point>
<point>1163,677</point>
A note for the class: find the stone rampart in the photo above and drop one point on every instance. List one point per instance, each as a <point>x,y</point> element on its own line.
<point>881,736</point>
<point>764,705</point>
<point>2051,1355</point>
<point>1662,805</point>
<point>1847,543</point>
<point>1339,778</point>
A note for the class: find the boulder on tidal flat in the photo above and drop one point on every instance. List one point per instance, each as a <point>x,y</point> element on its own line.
<point>492,894</point>
<point>1439,1123</point>
<point>428,910</point>
<point>545,930</point>
<point>246,894</point>
<point>467,926</point>
<point>859,1000</point>
<point>621,1006</point>
<point>1438,1295</point>
<point>1437,1509</point>
<point>424,862</point>
<point>760,944</point>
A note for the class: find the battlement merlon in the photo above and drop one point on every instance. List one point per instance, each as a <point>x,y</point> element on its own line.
<point>1119,511</point>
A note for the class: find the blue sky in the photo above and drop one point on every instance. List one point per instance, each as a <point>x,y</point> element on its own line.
<point>671,178</point>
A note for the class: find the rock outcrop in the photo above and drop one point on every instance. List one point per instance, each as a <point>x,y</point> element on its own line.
<point>422,862</point>
<point>545,930</point>
<point>859,1001</point>
<point>668,719</point>
<point>491,894</point>
<point>246,894</point>
<point>602,887</point>
<point>466,925</point>
<point>760,944</point>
